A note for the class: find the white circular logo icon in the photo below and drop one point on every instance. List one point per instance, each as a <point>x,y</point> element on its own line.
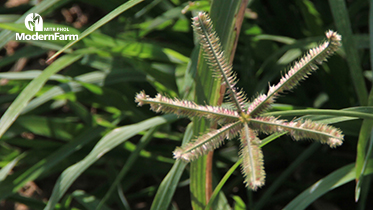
<point>34,22</point>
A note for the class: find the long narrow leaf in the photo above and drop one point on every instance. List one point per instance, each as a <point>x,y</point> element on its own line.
<point>168,186</point>
<point>357,112</point>
<point>107,143</point>
<point>31,89</point>
<point>330,182</point>
<point>342,21</point>
<point>13,184</point>
<point>5,171</point>
<point>129,163</point>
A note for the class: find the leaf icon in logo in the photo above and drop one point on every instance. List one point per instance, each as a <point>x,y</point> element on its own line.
<point>36,19</point>
<point>31,24</point>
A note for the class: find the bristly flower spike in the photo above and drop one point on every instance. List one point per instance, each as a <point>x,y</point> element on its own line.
<point>216,59</point>
<point>246,123</point>
<point>187,108</point>
<point>300,71</point>
<point>252,159</point>
<point>207,142</point>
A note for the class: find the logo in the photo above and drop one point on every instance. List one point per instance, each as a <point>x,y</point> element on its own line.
<point>34,23</point>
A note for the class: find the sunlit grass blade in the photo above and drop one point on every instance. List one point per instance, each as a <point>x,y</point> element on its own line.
<point>6,170</point>
<point>32,88</point>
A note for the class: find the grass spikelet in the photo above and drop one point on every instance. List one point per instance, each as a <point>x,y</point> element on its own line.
<point>252,166</point>
<point>186,108</point>
<point>207,142</point>
<point>216,59</point>
<point>300,71</point>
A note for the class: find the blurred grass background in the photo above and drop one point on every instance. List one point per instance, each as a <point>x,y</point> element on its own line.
<point>73,138</point>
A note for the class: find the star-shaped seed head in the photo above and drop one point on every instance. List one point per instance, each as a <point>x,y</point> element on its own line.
<point>241,121</point>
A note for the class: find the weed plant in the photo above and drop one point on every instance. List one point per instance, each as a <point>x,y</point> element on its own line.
<point>72,136</point>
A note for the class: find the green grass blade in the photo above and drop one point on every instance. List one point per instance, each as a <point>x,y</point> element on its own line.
<point>266,197</point>
<point>129,163</point>
<point>4,172</point>
<point>219,187</point>
<point>29,75</point>
<point>361,156</point>
<point>13,184</point>
<point>342,21</point>
<point>363,193</point>
<point>90,202</point>
<point>239,204</point>
<point>31,89</point>
<point>364,168</point>
<point>99,23</point>
<point>73,86</point>
<point>26,52</point>
<point>107,143</point>
<point>356,112</point>
<point>168,186</point>
<point>330,182</point>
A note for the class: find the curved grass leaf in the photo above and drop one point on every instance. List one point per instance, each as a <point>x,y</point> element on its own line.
<point>364,168</point>
<point>13,184</point>
<point>4,172</point>
<point>356,112</point>
<point>96,77</point>
<point>168,186</point>
<point>32,88</point>
<point>90,202</point>
<point>330,182</point>
<point>129,163</point>
<point>26,52</point>
<point>29,75</point>
<point>342,21</point>
<point>106,143</point>
<point>266,197</point>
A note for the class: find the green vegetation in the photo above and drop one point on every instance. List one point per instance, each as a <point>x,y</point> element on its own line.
<point>72,136</point>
